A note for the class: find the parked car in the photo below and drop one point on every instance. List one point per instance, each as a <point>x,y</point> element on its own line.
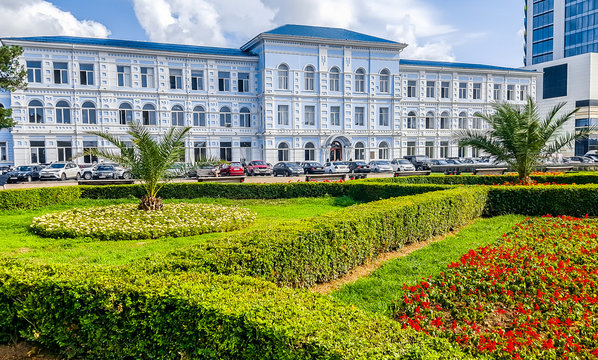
<point>453,161</point>
<point>104,172</point>
<point>87,172</point>
<point>359,167</point>
<point>5,169</point>
<point>232,169</point>
<point>287,169</point>
<point>581,159</point>
<point>592,156</point>
<point>61,170</point>
<point>439,162</point>
<point>402,165</point>
<point>336,167</point>
<point>24,173</point>
<point>471,161</point>
<point>312,167</point>
<point>420,162</point>
<point>258,167</point>
<point>379,166</point>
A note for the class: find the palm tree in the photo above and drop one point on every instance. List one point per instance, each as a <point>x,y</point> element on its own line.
<point>148,159</point>
<point>520,137</point>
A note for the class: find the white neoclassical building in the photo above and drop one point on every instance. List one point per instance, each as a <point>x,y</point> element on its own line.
<point>294,93</point>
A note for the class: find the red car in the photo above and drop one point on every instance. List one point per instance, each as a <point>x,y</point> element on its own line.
<point>232,169</point>
<point>258,167</point>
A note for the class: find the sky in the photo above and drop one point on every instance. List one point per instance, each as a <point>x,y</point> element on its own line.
<point>476,31</point>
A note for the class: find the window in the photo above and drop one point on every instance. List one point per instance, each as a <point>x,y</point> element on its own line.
<point>88,145</point>
<point>476,123</point>
<point>497,92</point>
<point>461,151</point>
<point>196,79</point>
<point>410,147</point>
<point>283,115</point>
<point>310,152</point>
<point>475,152</point>
<point>200,151</point>
<point>385,81</point>
<point>383,150</point>
<point>89,113</point>
<point>463,120</point>
<point>243,82</point>
<point>61,75</point>
<point>199,116</point>
<point>411,88</point>
<point>34,71</point>
<point>335,116</point>
<point>430,120</point>
<point>63,113</point>
<point>86,74</point>
<point>245,118</point>
<point>411,120</point>
<point>383,116</point>
<point>226,151</point>
<point>510,92</point>
<point>147,77</point>
<point>430,85</point>
<point>444,89</point>
<point>523,92</point>
<point>360,80</point>
<point>477,91</point>
<point>359,151</point>
<point>283,77</point>
<point>223,81</point>
<point>310,77</point>
<point>38,151</point>
<point>178,116</point>
<point>36,112</point>
<point>283,152</point>
<point>123,75</point>
<point>444,120</point>
<point>3,151</point>
<point>359,116</point>
<point>334,79</point>
<point>125,114</point>
<point>462,90</point>
<point>310,115</point>
<point>444,147</point>
<point>225,117</point>
<point>554,81</point>
<point>429,149</point>
<point>176,79</point>
<point>148,114</point>
<point>65,150</point>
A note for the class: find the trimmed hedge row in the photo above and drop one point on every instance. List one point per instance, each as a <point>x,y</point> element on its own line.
<point>572,178</point>
<point>101,313</point>
<point>304,252</point>
<point>32,198</point>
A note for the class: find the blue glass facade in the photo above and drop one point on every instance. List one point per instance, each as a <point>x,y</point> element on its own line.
<point>581,27</point>
<point>543,31</point>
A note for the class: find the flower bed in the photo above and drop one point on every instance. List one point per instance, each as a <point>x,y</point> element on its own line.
<point>126,222</point>
<point>533,295</point>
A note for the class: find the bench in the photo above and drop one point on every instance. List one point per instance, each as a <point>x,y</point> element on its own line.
<point>558,168</point>
<point>107,182</point>
<point>325,177</point>
<point>412,173</point>
<point>357,176</point>
<point>489,171</point>
<point>222,179</point>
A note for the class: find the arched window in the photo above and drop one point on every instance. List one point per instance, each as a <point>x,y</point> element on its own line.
<point>245,117</point>
<point>383,151</point>
<point>360,80</point>
<point>283,77</point>
<point>225,117</point>
<point>411,120</point>
<point>310,77</point>
<point>149,114</point>
<point>334,81</point>
<point>125,113</point>
<point>463,120</point>
<point>283,152</point>
<point>63,113</point>
<point>310,152</point>
<point>89,113</point>
<point>199,116</point>
<point>384,81</point>
<point>430,120</point>
<point>444,120</point>
<point>359,151</point>
<point>178,116</point>
<point>36,112</point>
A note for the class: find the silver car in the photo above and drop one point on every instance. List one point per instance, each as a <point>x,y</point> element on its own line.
<point>61,170</point>
<point>402,165</point>
<point>380,166</point>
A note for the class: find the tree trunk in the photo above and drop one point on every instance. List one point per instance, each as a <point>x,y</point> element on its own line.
<point>150,203</point>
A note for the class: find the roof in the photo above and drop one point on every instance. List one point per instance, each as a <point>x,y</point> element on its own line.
<point>326,33</point>
<point>460,65</point>
<point>131,44</point>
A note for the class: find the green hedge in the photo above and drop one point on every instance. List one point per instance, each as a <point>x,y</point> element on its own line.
<point>304,252</point>
<point>572,178</point>
<point>102,313</point>
<point>32,198</point>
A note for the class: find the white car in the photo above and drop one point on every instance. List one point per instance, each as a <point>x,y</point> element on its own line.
<point>61,170</point>
<point>402,165</point>
<point>336,167</point>
<point>380,166</point>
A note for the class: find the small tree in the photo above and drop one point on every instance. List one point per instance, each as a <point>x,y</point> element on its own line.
<point>520,137</point>
<point>12,77</point>
<point>148,158</point>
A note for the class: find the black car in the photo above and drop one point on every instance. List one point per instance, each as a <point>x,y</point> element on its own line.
<point>312,167</point>
<point>104,172</point>
<point>26,173</point>
<point>4,169</point>
<point>287,169</point>
<point>420,162</point>
<point>359,167</point>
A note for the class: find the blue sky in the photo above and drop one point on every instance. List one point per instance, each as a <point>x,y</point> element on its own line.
<point>478,31</point>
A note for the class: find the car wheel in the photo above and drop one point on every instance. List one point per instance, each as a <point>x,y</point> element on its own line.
<point>114,176</point>
<point>87,176</point>
<point>419,168</point>
<point>63,177</point>
<point>126,175</point>
<point>288,173</point>
<point>29,179</point>
<point>78,177</point>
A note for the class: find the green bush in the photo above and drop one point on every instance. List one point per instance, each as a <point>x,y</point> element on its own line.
<point>103,313</point>
<point>568,178</point>
<point>304,252</point>
<point>32,198</point>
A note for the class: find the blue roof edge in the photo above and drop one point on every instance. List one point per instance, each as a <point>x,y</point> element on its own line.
<point>326,33</point>
<point>460,65</point>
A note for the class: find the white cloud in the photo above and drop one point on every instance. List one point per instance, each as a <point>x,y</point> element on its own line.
<point>38,17</point>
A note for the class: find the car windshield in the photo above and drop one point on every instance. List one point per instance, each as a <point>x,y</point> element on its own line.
<point>421,158</point>
<point>258,163</point>
<point>441,162</point>
<point>104,167</point>
<point>25,168</point>
<point>57,166</point>
<point>404,162</point>
<point>236,164</point>
<point>359,163</point>
<point>292,165</point>
<point>382,162</point>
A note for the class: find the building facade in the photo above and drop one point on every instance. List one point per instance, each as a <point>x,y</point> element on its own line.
<point>294,93</point>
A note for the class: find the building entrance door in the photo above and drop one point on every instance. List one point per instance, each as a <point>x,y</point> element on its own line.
<point>336,151</point>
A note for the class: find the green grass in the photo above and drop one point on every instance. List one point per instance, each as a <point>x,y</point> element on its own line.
<point>377,291</point>
<point>17,241</point>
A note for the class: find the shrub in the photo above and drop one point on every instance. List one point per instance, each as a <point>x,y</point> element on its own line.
<point>566,178</point>
<point>32,198</point>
